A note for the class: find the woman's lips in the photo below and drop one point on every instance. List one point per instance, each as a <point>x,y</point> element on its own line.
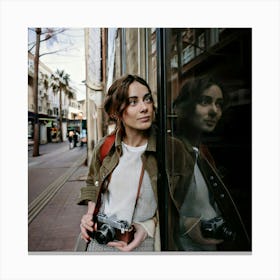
<point>144,119</point>
<point>210,122</point>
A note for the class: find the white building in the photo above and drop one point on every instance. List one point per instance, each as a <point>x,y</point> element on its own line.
<point>48,106</point>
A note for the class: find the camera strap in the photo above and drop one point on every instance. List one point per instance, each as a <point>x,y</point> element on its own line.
<point>105,188</point>
<point>139,184</point>
<point>104,150</point>
<point>106,146</point>
<point>138,189</point>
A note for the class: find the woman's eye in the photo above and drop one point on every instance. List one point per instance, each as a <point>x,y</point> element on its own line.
<point>220,104</point>
<point>205,100</point>
<point>148,100</point>
<point>132,102</point>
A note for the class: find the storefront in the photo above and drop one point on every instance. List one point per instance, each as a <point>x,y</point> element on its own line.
<point>48,128</point>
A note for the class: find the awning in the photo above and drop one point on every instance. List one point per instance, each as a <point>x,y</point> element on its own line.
<point>49,124</point>
<point>47,119</point>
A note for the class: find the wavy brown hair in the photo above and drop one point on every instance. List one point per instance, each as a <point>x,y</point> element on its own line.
<point>116,99</point>
<point>191,92</point>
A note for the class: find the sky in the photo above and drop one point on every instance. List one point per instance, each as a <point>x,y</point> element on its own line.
<point>70,57</point>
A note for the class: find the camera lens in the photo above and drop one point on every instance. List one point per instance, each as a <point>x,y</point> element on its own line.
<point>105,234</point>
<point>217,228</point>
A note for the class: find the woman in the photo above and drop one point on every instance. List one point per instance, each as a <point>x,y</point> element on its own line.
<point>207,203</point>
<point>126,176</point>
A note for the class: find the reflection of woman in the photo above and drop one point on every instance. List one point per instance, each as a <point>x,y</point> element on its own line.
<point>199,107</point>
<point>129,168</point>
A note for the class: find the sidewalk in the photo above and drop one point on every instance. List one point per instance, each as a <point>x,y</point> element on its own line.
<point>56,227</point>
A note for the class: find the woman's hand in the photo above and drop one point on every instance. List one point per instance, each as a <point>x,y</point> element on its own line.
<point>86,222</point>
<point>139,236</point>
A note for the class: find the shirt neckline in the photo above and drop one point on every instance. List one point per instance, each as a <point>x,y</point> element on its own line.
<point>135,149</point>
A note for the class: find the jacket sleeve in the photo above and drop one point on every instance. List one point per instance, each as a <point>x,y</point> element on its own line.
<point>90,191</point>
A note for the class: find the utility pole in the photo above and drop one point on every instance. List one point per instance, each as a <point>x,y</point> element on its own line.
<point>35,92</point>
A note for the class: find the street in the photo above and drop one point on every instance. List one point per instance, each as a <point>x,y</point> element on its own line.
<point>54,182</point>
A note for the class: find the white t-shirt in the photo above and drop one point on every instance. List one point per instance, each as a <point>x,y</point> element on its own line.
<point>119,200</point>
<point>196,205</point>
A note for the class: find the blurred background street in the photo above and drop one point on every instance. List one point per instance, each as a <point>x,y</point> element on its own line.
<point>54,181</point>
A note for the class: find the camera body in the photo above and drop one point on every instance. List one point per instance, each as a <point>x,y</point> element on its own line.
<point>109,229</point>
<point>217,228</point>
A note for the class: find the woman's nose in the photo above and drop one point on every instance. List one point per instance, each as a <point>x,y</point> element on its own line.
<point>213,109</point>
<point>143,107</point>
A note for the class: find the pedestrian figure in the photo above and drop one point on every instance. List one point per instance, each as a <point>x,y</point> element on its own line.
<point>75,138</point>
<point>70,139</point>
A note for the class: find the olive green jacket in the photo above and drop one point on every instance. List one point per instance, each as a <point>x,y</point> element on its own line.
<point>222,195</point>
<point>98,172</point>
<point>179,171</point>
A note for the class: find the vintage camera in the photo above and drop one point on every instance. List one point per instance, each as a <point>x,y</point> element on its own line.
<point>109,229</point>
<point>217,228</point>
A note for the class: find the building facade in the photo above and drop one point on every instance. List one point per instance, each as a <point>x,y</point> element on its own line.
<point>48,106</point>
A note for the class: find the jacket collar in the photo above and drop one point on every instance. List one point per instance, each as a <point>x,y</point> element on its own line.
<point>188,146</point>
<point>151,147</point>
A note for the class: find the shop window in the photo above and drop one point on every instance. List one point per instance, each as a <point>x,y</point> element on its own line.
<point>55,111</point>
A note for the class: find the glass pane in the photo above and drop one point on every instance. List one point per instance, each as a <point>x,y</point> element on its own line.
<point>210,68</point>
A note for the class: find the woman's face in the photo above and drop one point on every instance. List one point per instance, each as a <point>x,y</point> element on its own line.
<point>208,109</point>
<point>138,115</point>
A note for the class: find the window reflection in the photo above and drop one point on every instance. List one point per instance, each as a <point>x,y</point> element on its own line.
<point>225,55</point>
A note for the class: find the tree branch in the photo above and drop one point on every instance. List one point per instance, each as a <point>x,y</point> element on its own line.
<point>57,51</point>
